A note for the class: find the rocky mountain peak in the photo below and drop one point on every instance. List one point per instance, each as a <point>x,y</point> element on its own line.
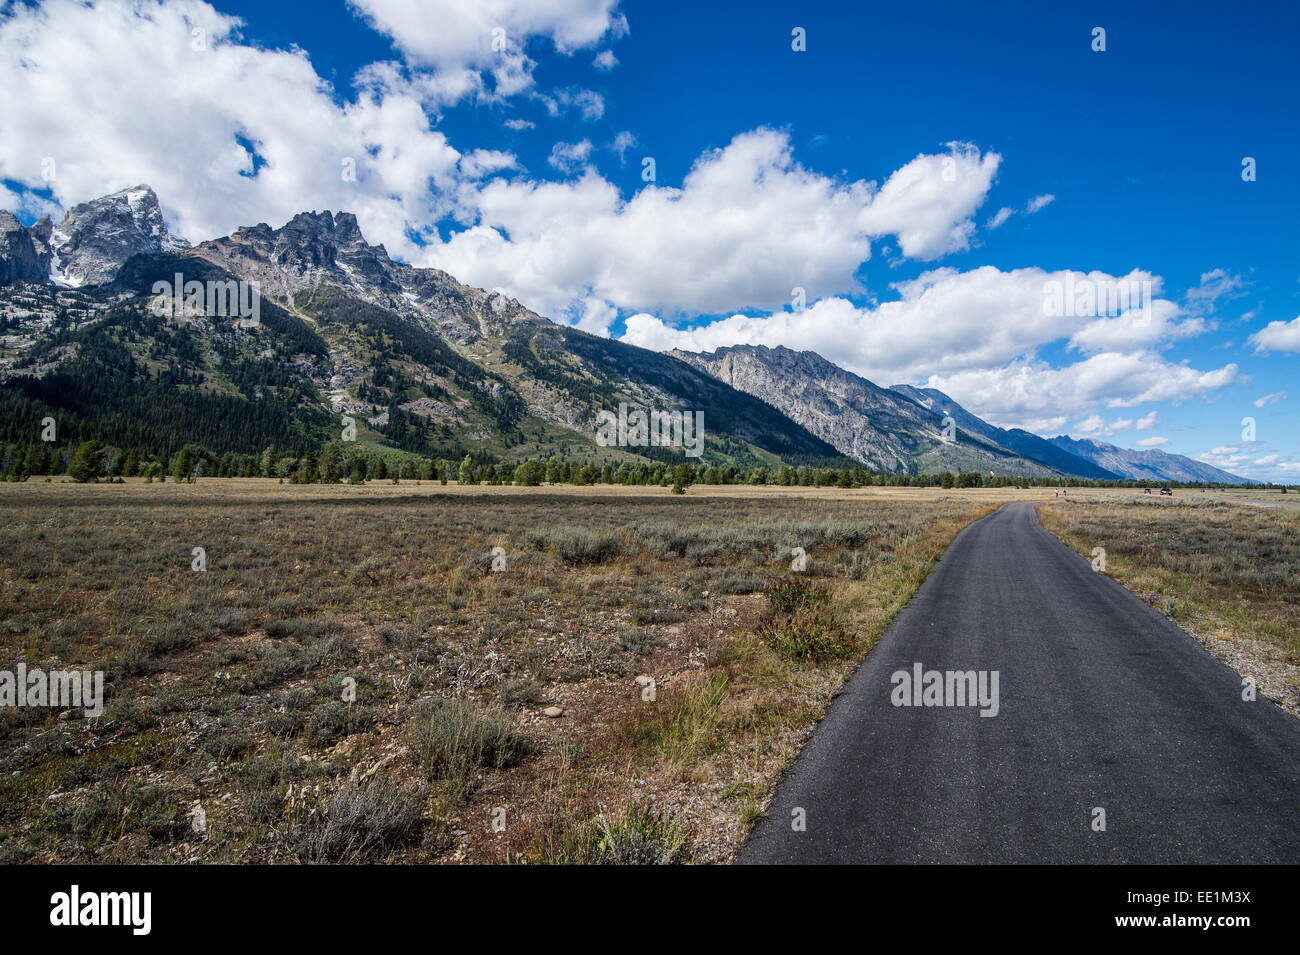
<point>95,238</point>
<point>24,252</point>
<point>328,248</point>
<point>324,233</point>
<point>310,248</point>
<point>736,362</point>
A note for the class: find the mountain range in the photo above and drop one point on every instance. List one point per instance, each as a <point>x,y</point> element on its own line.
<point>1150,465</point>
<point>884,428</point>
<point>424,364</point>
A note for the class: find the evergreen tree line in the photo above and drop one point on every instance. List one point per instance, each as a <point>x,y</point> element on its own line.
<point>340,462</point>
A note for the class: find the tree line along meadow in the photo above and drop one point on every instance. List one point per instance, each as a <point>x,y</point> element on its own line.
<point>92,461</point>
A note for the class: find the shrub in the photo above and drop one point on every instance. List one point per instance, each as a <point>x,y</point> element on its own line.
<point>137,658</point>
<point>737,582</point>
<point>453,739</point>
<point>363,825</point>
<point>583,657</point>
<point>131,715</point>
<point>111,809</point>
<point>576,546</point>
<point>277,665</point>
<point>637,641</point>
<point>521,691</point>
<point>792,594</point>
<point>701,553</point>
<point>234,623</point>
<point>284,725</point>
<point>859,566</point>
<point>224,744</point>
<point>639,835</point>
<point>300,629</point>
<point>333,720</point>
<point>813,638</point>
<point>404,639</point>
<point>650,615</point>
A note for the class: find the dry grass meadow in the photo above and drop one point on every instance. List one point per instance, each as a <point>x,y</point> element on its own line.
<point>686,660</point>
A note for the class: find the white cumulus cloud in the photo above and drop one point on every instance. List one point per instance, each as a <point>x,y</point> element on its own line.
<point>1095,426</point>
<point>974,335</point>
<point>1214,285</point>
<point>929,202</point>
<point>748,225</point>
<point>1277,336</point>
<point>468,39</point>
<point>569,157</point>
<point>120,92</point>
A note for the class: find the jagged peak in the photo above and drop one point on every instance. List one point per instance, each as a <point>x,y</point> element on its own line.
<point>341,224</point>
<point>96,237</point>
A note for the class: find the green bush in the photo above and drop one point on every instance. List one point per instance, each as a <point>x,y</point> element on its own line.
<point>792,594</point>
<point>521,692</point>
<point>639,835</point>
<point>815,638</point>
<point>637,641</point>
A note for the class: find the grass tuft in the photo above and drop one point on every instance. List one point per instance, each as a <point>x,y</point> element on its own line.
<point>638,835</point>
<point>454,739</point>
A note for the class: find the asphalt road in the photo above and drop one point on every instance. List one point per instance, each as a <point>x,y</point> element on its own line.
<point>1103,703</point>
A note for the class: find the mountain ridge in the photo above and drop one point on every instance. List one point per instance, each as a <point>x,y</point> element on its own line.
<point>1149,465</point>
<point>1016,439</point>
<point>875,425</point>
<point>427,362</point>
<point>423,362</point>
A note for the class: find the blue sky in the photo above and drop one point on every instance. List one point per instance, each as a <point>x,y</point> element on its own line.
<point>824,169</point>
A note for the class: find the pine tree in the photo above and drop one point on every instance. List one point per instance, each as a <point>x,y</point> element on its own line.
<point>683,477</point>
<point>330,462</point>
<point>183,465</point>
<point>88,463</point>
<point>37,461</point>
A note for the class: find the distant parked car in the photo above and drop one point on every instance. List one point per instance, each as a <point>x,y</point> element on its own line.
<point>1165,490</point>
